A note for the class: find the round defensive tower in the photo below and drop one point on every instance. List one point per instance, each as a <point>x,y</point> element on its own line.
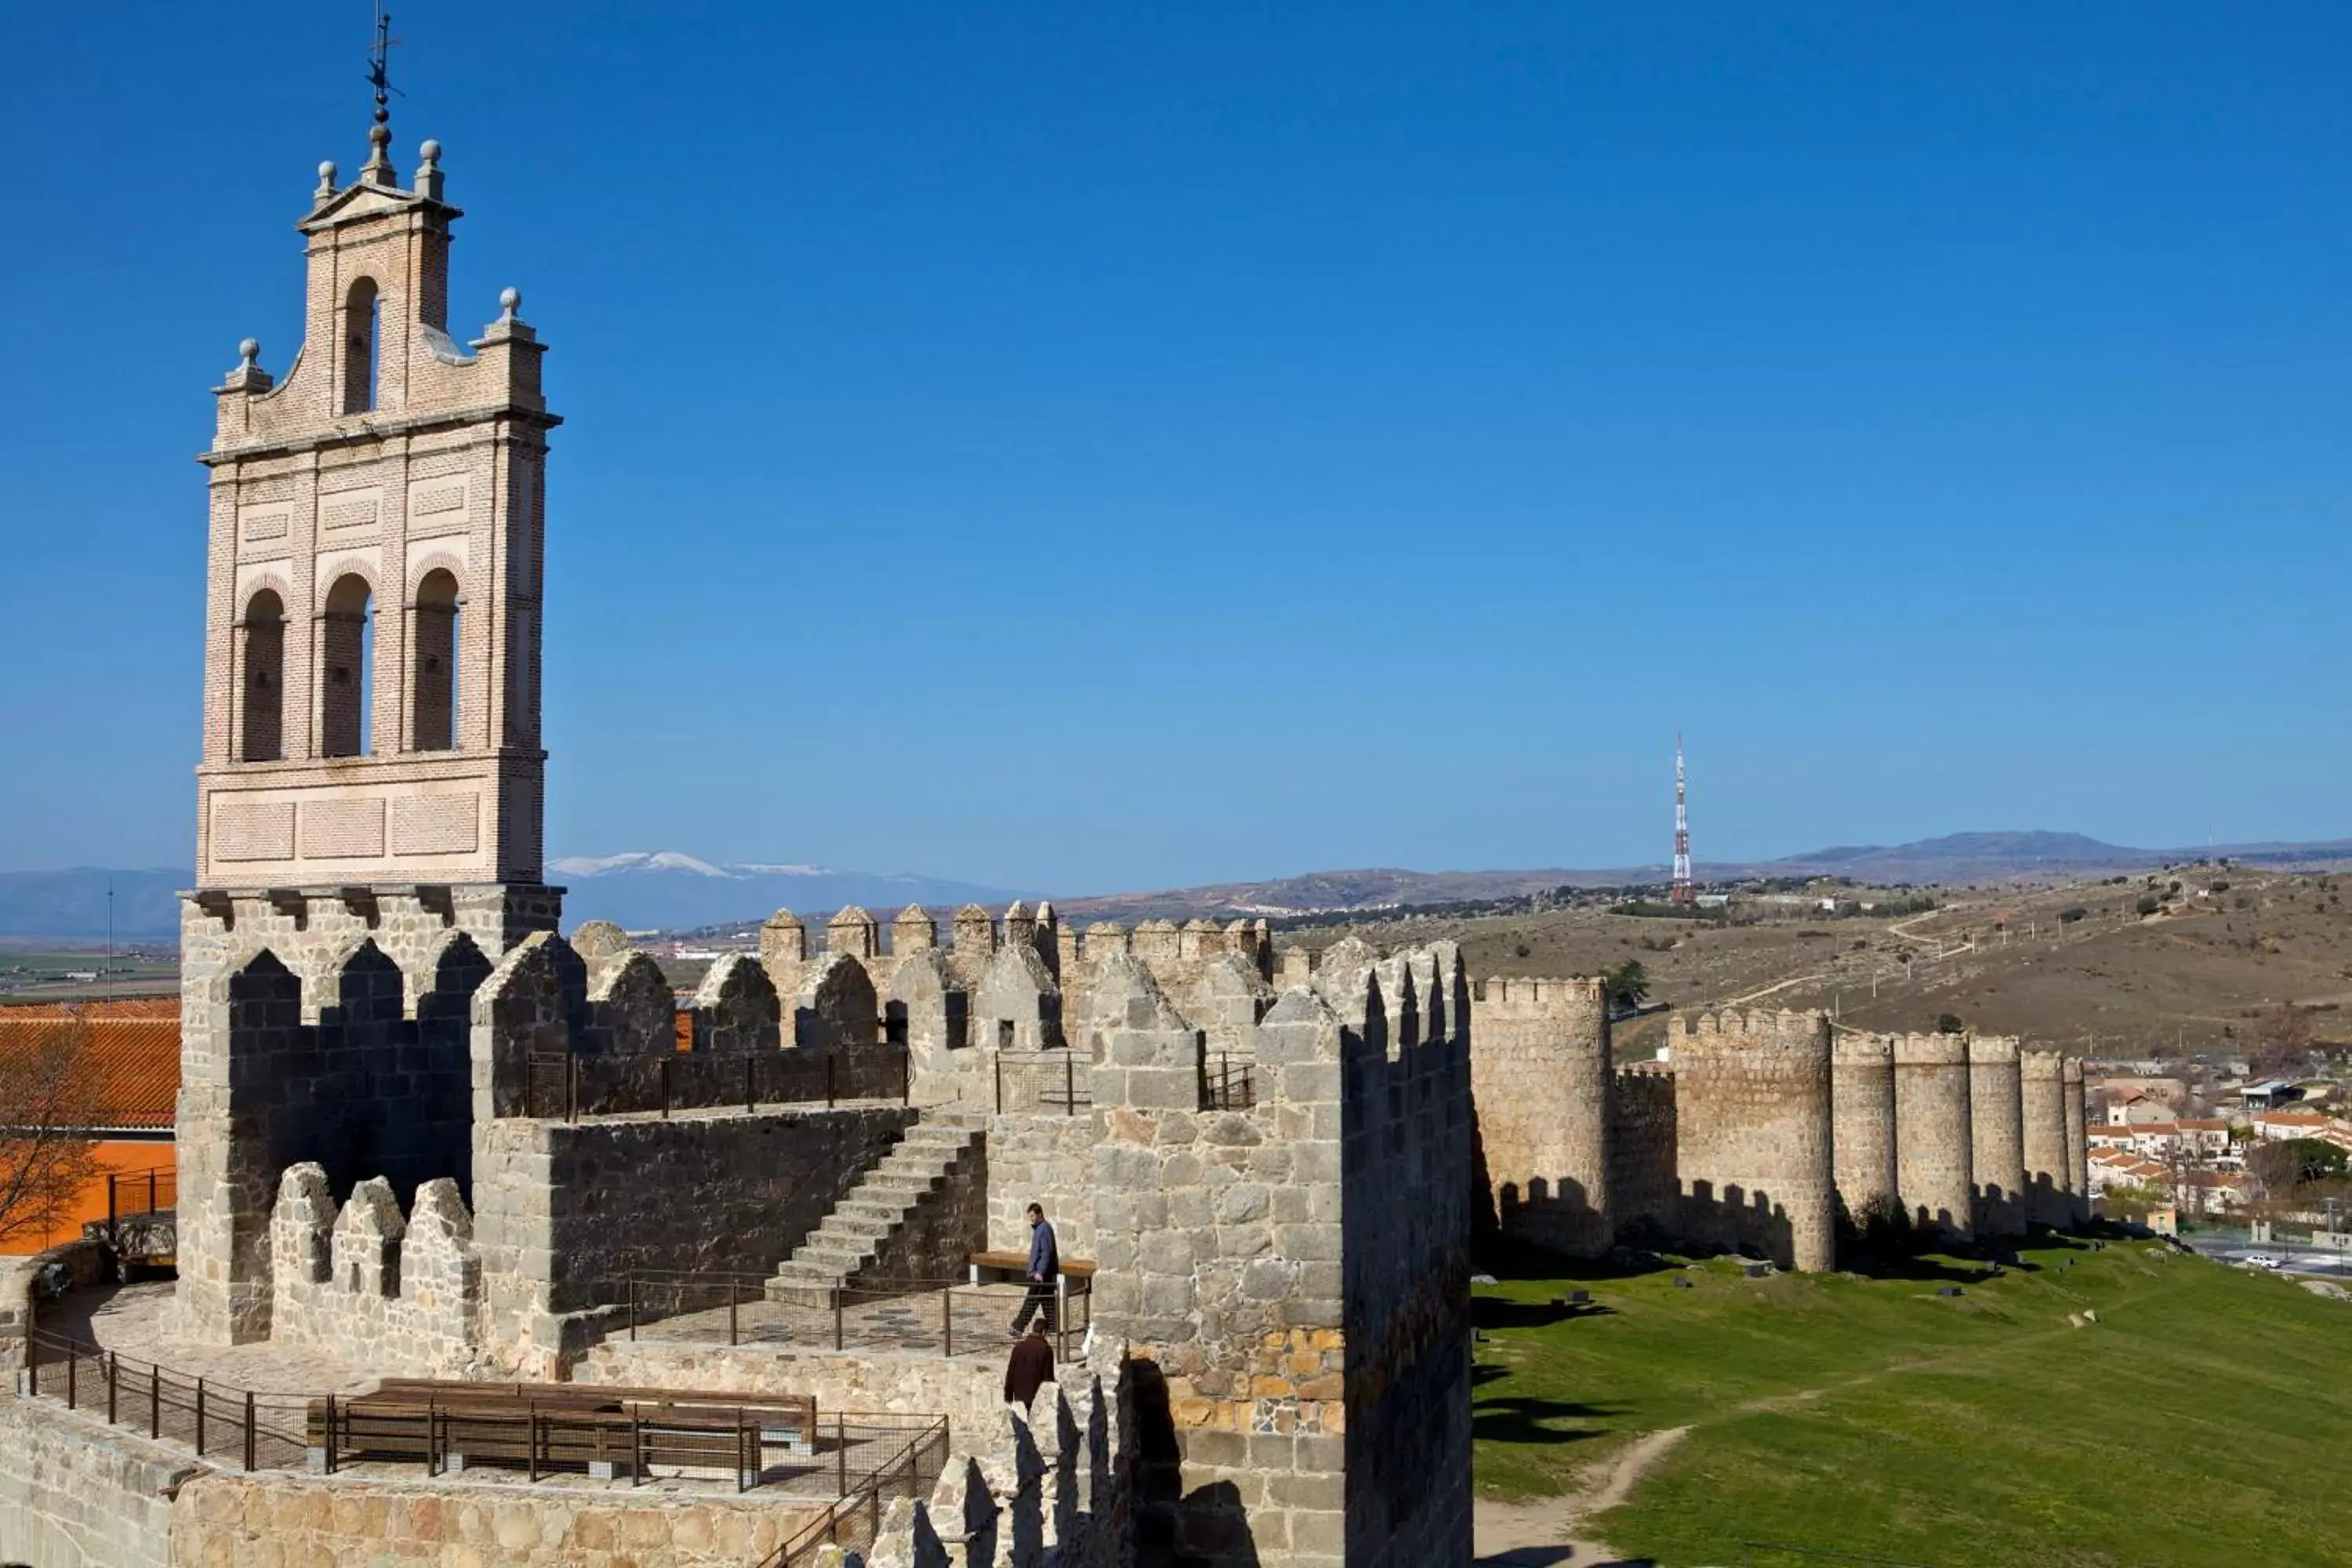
<point>1541,1082</point>
<point>1753,1134</point>
<point>1862,1115</point>
<point>2042,1092</point>
<point>2078,1150</point>
<point>1934,1155</point>
<point>1997,1134</point>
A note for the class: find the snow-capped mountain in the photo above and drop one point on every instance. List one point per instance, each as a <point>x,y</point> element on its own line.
<point>665,889</point>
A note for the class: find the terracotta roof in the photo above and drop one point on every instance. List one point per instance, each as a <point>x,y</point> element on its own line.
<point>131,1065</point>
<point>2204,1124</point>
<point>2291,1118</point>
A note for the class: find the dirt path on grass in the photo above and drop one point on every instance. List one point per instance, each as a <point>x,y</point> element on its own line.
<point>1538,1534</point>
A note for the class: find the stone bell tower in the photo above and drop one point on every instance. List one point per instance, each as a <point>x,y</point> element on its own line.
<point>372,643</point>
<point>369,797</point>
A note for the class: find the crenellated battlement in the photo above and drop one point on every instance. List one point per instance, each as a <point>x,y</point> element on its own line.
<point>383,1289</point>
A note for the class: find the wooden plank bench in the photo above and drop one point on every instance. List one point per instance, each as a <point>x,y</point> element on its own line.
<point>1077,1275</point>
<point>607,1431</point>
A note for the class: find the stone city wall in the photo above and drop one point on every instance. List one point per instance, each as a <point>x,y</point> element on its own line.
<point>1934,1143</point>
<point>2043,1093</point>
<point>75,1493</point>
<point>563,1212</point>
<point>1047,1160</point>
<point>1219,1237</point>
<point>1644,1189</point>
<point>1997,1135</point>
<point>1407,1126</point>
<point>2078,1144</point>
<point>1862,1093</point>
<point>401,1295</point>
<point>1540,1070</point>
<point>1753,1133</point>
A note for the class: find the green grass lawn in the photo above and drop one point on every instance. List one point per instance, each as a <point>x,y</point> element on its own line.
<point>2205,1419</point>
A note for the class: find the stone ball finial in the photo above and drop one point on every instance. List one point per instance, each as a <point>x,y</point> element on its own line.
<point>326,173</point>
<point>249,350</point>
<point>430,151</point>
<point>510,300</point>
<point>380,135</point>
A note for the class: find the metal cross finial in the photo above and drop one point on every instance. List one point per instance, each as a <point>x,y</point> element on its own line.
<point>379,60</point>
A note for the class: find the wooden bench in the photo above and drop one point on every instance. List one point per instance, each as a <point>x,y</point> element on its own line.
<point>607,1431</point>
<point>1077,1275</point>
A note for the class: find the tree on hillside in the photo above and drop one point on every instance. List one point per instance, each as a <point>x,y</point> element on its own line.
<point>1950,1024</point>
<point>2279,1042</point>
<point>47,1153</point>
<point>1628,985</point>
<point>2292,1162</point>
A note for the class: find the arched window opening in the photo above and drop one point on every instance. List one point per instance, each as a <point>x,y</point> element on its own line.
<point>362,339</point>
<point>435,690</point>
<point>264,628</point>
<point>347,669</point>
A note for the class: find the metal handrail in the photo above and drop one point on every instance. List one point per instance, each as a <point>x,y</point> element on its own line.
<point>858,1511</point>
<point>568,1085</point>
<point>1072,1313</point>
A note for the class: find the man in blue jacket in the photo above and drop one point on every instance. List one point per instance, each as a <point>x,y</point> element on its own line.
<point>1044,1268</point>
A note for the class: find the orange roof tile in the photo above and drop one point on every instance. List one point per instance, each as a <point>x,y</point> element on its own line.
<point>131,1066</point>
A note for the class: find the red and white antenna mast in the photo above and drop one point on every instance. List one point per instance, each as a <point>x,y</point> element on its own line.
<point>1682,892</point>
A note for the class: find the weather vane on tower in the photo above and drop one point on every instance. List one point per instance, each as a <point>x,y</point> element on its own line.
<point>379,164</point>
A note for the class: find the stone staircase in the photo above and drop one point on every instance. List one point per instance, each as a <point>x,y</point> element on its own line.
<point>914,1218</point>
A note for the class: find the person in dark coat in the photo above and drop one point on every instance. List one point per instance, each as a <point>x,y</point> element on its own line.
<point>1044,1268</point>
<point>1032,1366</point>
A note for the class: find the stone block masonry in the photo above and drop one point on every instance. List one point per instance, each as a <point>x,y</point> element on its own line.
<point>1934,1143</point>
<point>2078,1144</point>
<point>1752,1134</point>
<point>1541,1075</point>
<point>1997,1135</point>
<point>1645,1194</point>
<point>563,1211</point>
<point>2043,1093</point>
<point>1862,1091</point>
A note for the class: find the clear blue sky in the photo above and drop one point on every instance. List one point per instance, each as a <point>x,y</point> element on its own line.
<point>1087,446</point>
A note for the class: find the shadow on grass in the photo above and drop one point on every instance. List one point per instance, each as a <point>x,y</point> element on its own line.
<point>1519,1261</point>
<point>1493,1312</point>
<point>1547,1556</point>
<point>1528,1420</point>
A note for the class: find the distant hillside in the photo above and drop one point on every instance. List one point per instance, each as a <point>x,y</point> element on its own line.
<point>70,905</point>
<point>674,891</point>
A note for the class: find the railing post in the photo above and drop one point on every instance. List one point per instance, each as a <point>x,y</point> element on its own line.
<point>841,1450</point>
<point>331,1434</point>
<point>999,1061</point>
<point>151,1190</point>
<point>829,1062</point>
<point>731,1334</point>
<point>571,1084</point>
<point>249,1431</point>
<point>531,1421</point>
<point>837,1317</point>
<point>1069,1086</point>
<point>73,1364</point>
<point>637,1445</point>
<point>111,1362</point>
<point>109,1199</point>
<point>750,1100</point>
<point>947,1322</point>
<point>154,1400</point>
<point>200,1418</point>
<point>665,1088</point>
<point>33,1359</point>
<point>633,1306</point>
